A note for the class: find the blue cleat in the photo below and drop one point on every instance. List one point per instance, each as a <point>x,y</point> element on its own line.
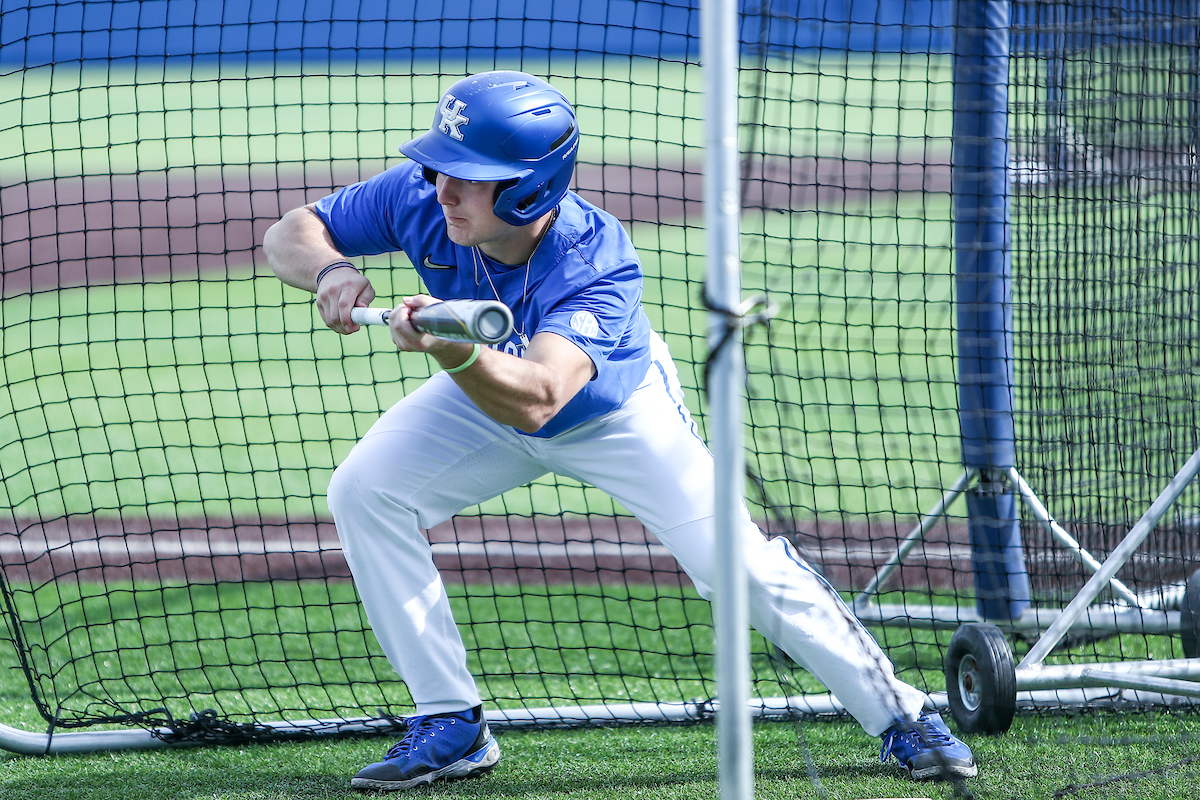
<point>434,748</point>
<point>927,749</point>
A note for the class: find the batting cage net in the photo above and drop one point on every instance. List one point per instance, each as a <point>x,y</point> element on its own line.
<point>171,413</point>
<point>1105,127</point>
<point>1106,255</point>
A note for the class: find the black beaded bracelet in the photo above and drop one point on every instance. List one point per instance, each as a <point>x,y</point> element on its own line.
<point>332,266</point>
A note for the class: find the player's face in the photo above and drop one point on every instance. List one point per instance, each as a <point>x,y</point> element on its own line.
<point>468,209</point>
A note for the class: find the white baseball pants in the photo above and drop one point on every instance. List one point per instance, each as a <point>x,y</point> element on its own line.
<point>434,453</point>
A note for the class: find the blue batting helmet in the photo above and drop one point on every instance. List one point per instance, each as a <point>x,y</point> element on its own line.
<point>503,126</point>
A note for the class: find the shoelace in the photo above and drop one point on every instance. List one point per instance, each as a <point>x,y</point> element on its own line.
<point>418,728</point>
<point>928,735</point>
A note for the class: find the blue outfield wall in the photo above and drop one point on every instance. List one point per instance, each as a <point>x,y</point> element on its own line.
<point>38,32</point>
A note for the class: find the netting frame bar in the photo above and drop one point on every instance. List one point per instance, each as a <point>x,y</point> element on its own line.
<point>863,604</point>
<point>17,740</point>
<point>981,203</point>
<point>1165,676</point>
<point>769,709</point>
<point>1116,559</point>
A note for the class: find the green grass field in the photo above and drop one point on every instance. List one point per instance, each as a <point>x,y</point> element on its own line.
<point>1126,757</point>
<point>302,649</point>
<point>166,377</point>
<point>826,759</point>
<point>151,396</point>
<point>68,121</point>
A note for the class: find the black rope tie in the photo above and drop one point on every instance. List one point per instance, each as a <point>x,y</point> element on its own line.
<point>758,309</point>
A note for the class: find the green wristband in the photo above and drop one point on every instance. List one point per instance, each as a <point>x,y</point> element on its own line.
<point>470,360</point>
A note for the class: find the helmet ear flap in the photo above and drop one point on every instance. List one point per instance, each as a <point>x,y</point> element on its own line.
<point>522,205</point>
<point>501,188</point>
<point>430,176</point>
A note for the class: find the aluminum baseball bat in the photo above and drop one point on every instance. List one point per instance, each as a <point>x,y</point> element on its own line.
<point>484,321</point>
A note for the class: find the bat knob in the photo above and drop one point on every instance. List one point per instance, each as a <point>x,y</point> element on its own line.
<point>495,324</point>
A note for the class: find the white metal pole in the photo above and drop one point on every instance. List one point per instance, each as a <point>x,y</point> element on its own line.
<point>719,59</point>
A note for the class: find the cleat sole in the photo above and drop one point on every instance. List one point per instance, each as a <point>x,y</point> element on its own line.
<point>954,771</point>
<point>472,766</point>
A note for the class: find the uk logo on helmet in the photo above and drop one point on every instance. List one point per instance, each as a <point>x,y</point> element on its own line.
<point>452,117</point>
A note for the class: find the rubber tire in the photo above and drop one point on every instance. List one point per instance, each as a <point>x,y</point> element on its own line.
<point>981,679</point>
<point>1189,617</point>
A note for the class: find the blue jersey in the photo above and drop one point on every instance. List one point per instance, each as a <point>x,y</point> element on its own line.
<point>584,281</point>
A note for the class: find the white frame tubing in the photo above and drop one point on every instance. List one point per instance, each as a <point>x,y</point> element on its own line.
<point>915,537</point>
<point>1106,619</point>
<point>1098,677</point>
<point>722,216</point>
<point>32,743</point>
<point>1116,559</point>
<point>1065,539</point>
<point>1145,614</point>
<point>1159,678</point>
<point>1061,676</point>
<point>768,708</point>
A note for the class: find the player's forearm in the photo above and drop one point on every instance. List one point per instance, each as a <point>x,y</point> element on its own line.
<point>513,391</point>
<point>298,246</point>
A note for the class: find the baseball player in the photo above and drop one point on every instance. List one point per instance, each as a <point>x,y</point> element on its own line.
<point>583,388</point>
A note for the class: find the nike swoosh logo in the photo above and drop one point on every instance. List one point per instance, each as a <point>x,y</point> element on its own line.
<point>430,265</point>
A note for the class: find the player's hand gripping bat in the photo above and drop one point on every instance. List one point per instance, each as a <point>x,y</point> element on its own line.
<point>483,321</point>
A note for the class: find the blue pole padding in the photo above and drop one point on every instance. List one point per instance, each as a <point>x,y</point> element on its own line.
<point>998,558</point>
<point>983,282</point>
<point>981,239</point>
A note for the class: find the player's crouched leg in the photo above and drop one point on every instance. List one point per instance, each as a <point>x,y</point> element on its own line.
<point>434,748</point>
<point>927,749</point>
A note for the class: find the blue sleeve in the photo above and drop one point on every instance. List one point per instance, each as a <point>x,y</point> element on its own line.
<point>363,218</point>
<point>600,316</point>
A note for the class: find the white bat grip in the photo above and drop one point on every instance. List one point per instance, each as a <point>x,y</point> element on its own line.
<point>370,316</point>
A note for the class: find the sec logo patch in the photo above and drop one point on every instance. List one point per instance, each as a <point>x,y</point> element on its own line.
<point>584,322</point>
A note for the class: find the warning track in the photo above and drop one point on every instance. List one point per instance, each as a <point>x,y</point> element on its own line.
<point>489,549</point>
